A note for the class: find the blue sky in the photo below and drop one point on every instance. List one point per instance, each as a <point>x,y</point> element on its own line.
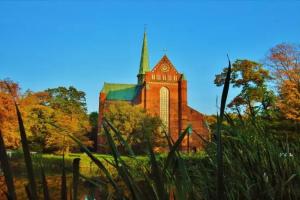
<point>47,44</point>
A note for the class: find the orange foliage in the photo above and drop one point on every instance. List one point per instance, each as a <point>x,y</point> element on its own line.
<point>285,62</point>
<point>45,125</point>
<point>8,118</point>
<point>289,101</point>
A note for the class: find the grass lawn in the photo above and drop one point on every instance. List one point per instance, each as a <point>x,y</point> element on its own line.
<point>52,163</point>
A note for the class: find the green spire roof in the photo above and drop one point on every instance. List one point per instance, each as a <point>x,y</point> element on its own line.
<point>144,64</point>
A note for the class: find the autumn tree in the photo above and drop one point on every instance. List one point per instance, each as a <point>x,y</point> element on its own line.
<point>254,98</point>
<point>39,120</point>
<point>48,116</point>
<point>284,61</point>
<point>135,125</point>
<point>8,117</point>
<point>52,114</point>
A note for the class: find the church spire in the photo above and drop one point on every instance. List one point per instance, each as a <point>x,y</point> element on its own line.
<point>144,64</point>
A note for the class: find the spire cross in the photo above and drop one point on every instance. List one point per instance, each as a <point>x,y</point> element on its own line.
<point>165,50</point>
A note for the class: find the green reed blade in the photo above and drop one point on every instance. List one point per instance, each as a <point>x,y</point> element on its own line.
<point>7,170</point>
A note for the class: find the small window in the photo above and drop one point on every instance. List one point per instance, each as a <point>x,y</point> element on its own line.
<point>153,77</point>
<point>164,77</point>
<point>158,77</point>
<point>175,78</point>
<point>169,77</point>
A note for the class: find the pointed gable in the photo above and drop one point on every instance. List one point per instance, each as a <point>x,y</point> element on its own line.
<point>164,66</point>
<point>164,71</point>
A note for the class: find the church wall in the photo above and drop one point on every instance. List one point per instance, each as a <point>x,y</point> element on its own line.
<point>153,103</point>
<point>197,121</point>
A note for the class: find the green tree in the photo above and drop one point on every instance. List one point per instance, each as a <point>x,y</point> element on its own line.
<point>255,98</point>
<point>135,124</point>
<point>93,119</point>
<point>69,100</point>
<point>71,117</point>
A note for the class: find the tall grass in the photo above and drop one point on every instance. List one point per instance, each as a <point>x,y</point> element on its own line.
<point>7,170</point>
<point>32,184</point>
<point>64,188</point>
<point>76,174</point>
<point>162,179</point>
<point>44,184</point>
<point>220,170</point>
<point>256,166</point>
<point>31,189</point>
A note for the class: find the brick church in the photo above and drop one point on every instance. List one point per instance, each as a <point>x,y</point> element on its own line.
<point>161,91</point>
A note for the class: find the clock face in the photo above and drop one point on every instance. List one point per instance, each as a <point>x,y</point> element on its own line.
<point>165,68</point>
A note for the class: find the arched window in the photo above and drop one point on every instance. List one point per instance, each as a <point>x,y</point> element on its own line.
<point>164,106</point>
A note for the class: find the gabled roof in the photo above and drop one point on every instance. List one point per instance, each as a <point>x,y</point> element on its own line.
<point>164,61</point>
<point>120,92</point>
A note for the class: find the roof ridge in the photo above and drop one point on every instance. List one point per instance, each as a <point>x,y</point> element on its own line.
<point>119,83</point>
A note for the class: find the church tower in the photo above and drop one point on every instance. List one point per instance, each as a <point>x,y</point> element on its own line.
<point>144,63</point>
